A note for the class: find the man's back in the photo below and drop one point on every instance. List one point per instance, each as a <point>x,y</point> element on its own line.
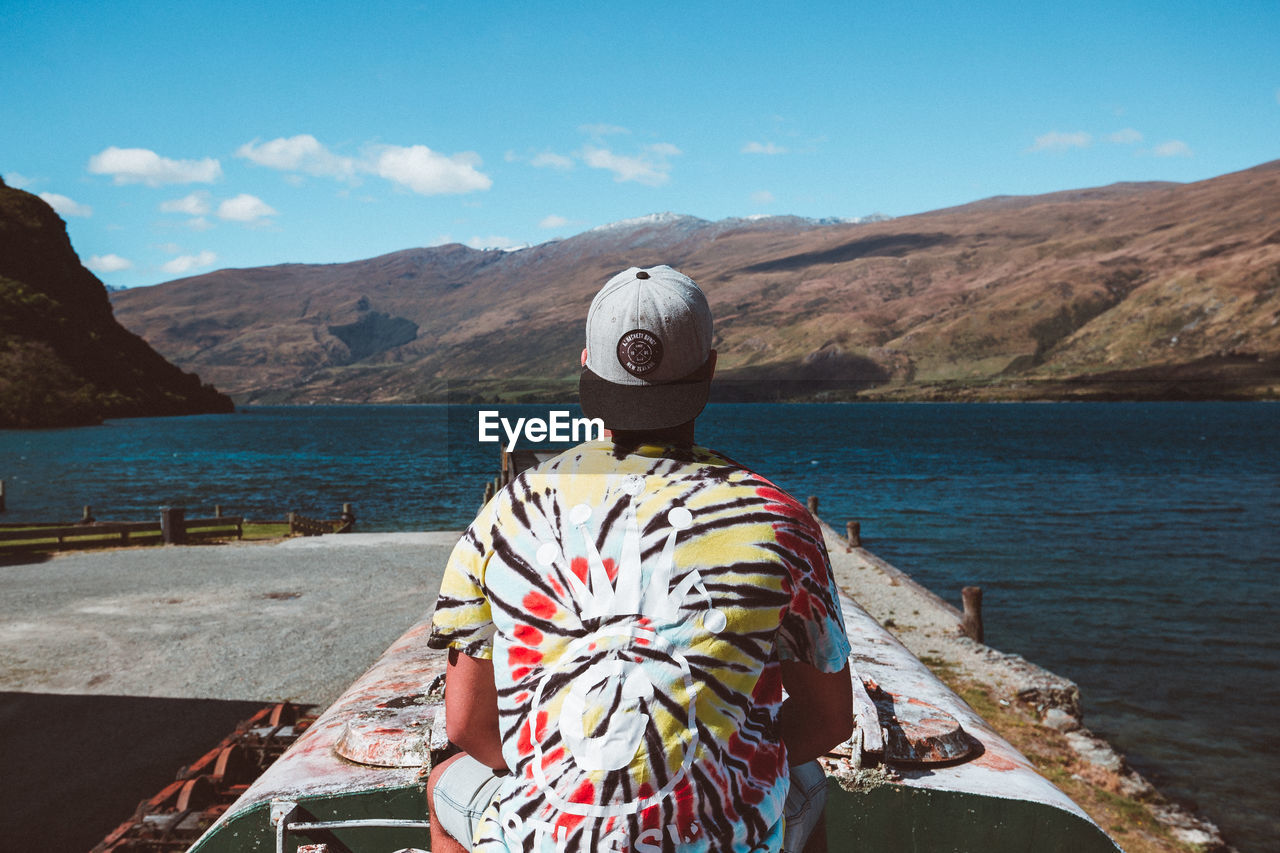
<point>637,604</point>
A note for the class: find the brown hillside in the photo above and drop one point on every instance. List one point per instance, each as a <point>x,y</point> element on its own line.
<point>1133,290</point>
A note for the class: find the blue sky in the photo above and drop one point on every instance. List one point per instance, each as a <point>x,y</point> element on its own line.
<point>178,138</point>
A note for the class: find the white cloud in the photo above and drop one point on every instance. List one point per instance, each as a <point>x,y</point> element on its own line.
<point>602,129</point>
<point>553,221</point>
<point>301,153</point>
<point>550,160</point>
<point>1057,141</point>
<point>763,148</point>
<point>108,263</point>
<point>186,263</point>
<point>415,167</point>
<point>142,166</point>
<point>15,179</point>
<point>1172,148</point>
<point>1128,136</point>
<point>245,208</point>
<point>650,168</point>
<point>763,197</point>
<point>541,160</point>
<point>66,206</point>
<point>199,224</point>
<point>429,172</point>
<point>195,204</point>
<point>493,242</point>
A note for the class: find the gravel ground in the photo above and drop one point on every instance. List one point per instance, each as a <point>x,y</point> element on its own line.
<point>301,619</point>
<point>296,620</point>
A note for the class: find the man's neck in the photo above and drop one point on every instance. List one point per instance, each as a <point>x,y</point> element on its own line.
<point>681,435</point>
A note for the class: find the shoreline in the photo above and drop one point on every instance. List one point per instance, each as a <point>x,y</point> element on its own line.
<point>1036,710</point>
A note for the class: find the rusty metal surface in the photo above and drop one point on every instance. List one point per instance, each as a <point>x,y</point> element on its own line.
<point>917,732</point>
<point>406,671</point>
<point>378,734</point>
<point>398,736</point>
<point>942,744</point>
<point>172,819</point>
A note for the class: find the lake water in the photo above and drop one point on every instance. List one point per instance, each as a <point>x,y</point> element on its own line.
<point>1130,547</point>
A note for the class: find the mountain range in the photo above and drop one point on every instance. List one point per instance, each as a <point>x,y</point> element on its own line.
<point>1129,291</point>
<point>64,360</point>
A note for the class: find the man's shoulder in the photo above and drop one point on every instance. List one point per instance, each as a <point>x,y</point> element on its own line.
<point>696,468</point>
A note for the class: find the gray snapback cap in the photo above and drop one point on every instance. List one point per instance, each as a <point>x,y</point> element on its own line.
<point>648,346</point>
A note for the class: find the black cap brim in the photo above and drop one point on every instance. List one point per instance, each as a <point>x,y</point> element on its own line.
<point>645,407</point>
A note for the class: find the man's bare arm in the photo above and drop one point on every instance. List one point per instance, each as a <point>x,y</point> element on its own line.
<point>471,709</point>
<point>818,712</point>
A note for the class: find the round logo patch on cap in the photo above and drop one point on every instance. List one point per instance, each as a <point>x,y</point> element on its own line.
<point>639,352</point>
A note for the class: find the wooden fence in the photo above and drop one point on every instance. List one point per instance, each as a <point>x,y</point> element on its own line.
<point>173,527</point>
<point>301,525</point>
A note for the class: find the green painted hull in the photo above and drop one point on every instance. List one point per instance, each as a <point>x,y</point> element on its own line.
<point>900,819</point>
<point>888,819</point>
<point>250,831</point>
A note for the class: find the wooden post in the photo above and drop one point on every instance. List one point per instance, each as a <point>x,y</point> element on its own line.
<point>293,522</point>
<point>347,521</point>
<point>813,505</point>
<point>87,517</point>
<point>173,527</point>
<point>217,510</point>
<point>1,495</point>
<point>853,533</point>
<point>488,492</point>
<point>972,624</point>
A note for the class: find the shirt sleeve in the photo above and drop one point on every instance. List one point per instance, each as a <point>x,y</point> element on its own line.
<point>463,619</point>
<point>812,629</point>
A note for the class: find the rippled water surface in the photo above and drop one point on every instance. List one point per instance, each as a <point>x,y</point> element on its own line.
<point>1131,547</point>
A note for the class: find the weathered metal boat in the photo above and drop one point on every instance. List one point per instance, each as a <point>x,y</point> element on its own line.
<point>922,772</point>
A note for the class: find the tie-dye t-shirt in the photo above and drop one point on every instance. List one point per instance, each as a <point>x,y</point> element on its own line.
<point>636,605</point>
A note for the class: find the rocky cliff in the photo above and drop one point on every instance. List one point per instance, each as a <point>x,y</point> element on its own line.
<point>64,360</point>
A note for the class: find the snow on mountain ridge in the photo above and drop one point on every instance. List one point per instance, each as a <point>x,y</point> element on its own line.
<point>686,224</point>
<point>689,221</point>
<point>664,218</point>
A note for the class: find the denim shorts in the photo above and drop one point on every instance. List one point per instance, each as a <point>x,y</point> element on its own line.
<point>462,796</point>
<point>465,791</point>
<point>805,801</point>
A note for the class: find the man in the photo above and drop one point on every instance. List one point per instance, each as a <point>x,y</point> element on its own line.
<point>622,622</point>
